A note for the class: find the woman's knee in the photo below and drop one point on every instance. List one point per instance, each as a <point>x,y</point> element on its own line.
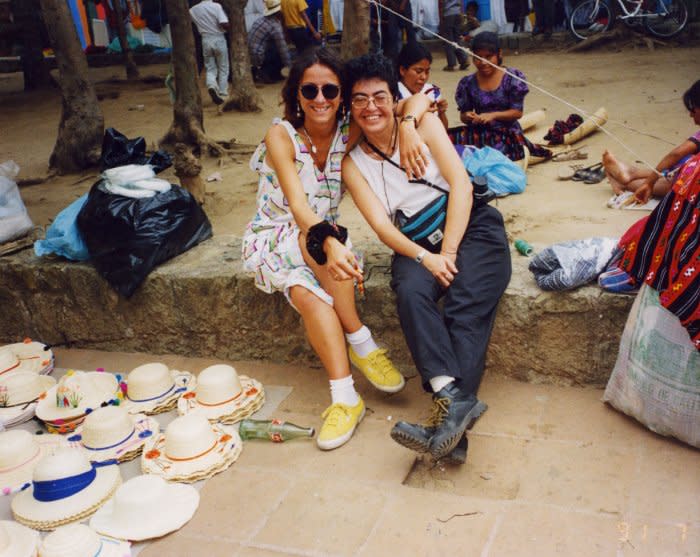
<point>304,300</point>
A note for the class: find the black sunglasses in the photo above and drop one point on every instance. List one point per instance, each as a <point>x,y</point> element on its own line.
<point>310,91</point>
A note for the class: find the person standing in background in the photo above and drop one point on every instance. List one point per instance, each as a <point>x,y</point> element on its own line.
<point>299,27</point>
<point>450,26</point>
<point>212,23</point>
<point>544,18</point>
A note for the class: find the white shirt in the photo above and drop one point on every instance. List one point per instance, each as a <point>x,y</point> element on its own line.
<point>404,93</point>
<point>391,185</point>
<point>208,17</point>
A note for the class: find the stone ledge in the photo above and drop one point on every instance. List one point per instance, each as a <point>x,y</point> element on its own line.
<point>204,304</point>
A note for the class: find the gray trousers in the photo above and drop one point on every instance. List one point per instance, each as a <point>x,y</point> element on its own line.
<point>215,53</point>
<point>453,340</point>
<point>449,28</point>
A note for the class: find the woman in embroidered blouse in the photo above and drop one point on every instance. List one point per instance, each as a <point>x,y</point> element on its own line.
<point>298,196</point>
<point>490,103</point>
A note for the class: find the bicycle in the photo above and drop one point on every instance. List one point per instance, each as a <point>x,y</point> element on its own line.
<point>661,18</point>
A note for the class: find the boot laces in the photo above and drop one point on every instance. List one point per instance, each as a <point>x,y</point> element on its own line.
<point>439,411</point>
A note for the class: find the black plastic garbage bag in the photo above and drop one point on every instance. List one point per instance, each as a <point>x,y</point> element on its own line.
<point>127,237</point>
<point>118,150</point>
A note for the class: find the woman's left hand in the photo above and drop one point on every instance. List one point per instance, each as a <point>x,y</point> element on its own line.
<point>411,147</point>
<point>441,106</point>
<point>341,263</point>
<point>485,118</point>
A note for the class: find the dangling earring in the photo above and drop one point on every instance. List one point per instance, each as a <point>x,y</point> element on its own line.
<point>342,112</point>
<point>299,112</point>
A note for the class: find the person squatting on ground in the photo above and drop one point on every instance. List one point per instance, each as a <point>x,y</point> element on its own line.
<point>414,71</point>
<point>267,46</point>
<point>470,272</point>
<point>212,23</point>
<point>645,182</point>
<point>490,103</point>
<point>299,27</point>
<point>294,244</point>
<point>451,29</point>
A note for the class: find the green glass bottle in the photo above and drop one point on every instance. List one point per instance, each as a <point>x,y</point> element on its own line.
<point>276,431</point>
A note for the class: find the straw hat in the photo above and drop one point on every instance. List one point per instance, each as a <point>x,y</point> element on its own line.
<point>111,433</point>
<point>20,451</point>
<point>79,540</point>
<point>26,356</point>
<point>272,7</point>
<point>153,388</point>
<point>77,393</point>
<point>146,507</point>
<point>65,488</point>
<point>222,395</point>
<point>19,389</point>
<point>17,540</point>
<point>192,449</point>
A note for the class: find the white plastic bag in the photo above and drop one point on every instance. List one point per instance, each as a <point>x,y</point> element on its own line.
<point>14,220</point>
<point>656,379</point>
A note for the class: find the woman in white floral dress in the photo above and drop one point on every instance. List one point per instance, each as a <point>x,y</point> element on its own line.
<point>294,244</point>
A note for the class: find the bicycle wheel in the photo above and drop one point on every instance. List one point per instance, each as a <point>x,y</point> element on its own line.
<point>665,18</point>
<point>590,18</point>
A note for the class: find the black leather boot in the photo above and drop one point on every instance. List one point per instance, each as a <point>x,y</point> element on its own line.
<point>453,411</point>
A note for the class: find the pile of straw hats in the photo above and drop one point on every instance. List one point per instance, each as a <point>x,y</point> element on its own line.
<point>79,540</point>
<point>17,540</point>
<point>26,356</point>
<point>65,406</point>
<point>111,433</point>
<point>153,388</point>
<point>65,488</point>
<point>222,395</point>
<point>20,451</point>
<point>191,449</point>
<point>146,507</point>
<point>19,392</point>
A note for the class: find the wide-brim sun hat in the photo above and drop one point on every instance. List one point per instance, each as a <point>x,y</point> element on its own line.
<point>32,356</point>
<point>17,540</point>
<point>79,540</point>
<point>272,7</point>
<point>146,507</point>
<point>221,393</point>
<point>77,393</point>
<point>20,451</point>
<point>18,391</point>
<point>111,433</point>
<point>65,488</point>
<point>153,388</point>
<point>191,449</point>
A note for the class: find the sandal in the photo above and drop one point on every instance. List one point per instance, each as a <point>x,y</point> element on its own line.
<point>595,176</point>
<point>583,173</point>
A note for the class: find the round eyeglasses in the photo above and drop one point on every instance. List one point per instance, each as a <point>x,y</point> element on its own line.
<point>310,91</point>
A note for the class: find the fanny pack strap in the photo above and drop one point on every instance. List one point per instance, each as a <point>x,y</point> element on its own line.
<point>414,180</point>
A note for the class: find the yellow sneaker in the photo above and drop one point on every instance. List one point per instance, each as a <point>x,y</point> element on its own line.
<point>340,421</point>
<point>379,370</point>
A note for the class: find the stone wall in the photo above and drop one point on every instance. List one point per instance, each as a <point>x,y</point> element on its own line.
<point>204,304</point>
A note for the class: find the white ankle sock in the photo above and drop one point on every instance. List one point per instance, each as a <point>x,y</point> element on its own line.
<point>362,341</point>
<point>343,391</point>
<point>439,382</point>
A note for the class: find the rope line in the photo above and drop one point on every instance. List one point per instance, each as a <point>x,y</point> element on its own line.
<point>529,84</point>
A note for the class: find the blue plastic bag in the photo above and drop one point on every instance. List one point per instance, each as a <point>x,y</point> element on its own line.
<point>63,237</point>
<point>503,175</point>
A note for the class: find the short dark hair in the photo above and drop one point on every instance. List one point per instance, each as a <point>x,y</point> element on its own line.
<point>691,98</point>
<point>369,66</point>
<point>473,4</point>
<point>312,56</point>
<point>412,53</point>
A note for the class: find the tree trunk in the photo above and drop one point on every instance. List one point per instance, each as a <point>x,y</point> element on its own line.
<point>79,141</point>
<point>131,70</point>
<point>28,17</point>
<point>244,96</point>
<point>355,41</point>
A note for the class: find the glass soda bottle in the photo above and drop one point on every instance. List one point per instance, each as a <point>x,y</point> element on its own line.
<point>276,431</point>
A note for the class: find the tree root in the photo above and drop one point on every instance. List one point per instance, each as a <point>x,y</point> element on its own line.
<point>242,103</point>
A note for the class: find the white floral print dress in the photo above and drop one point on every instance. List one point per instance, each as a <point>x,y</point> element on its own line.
<point>271,241</point>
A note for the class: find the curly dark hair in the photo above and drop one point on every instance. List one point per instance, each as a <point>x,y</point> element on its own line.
<point>321,56</point>
<point>691,98</point>
<point>412,53</point>
<point>369,66</point>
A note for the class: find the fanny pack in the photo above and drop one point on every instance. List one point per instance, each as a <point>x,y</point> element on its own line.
<point>426,227</point>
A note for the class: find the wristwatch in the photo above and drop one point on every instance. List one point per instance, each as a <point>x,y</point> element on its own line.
<point>419,258</point>
<point>409,118</point>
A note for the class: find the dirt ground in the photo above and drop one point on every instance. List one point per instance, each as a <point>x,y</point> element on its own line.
<point>641,89</point>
